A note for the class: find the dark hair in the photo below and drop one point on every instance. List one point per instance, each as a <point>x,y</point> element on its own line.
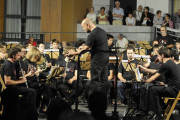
<point>175,54</point>
<point>102,8</point>
<point>130,13</point>
<point>169,16</point>
<point>79,43</point>
<point>159,11</point>
<point>69,44</point>
<point>147,8</point>
<point>131,43</point>
<point>109,36</point>
<point>165,51</point>
<point>178,40</point>
<point>55,40</point>
<point>131,48</point>
<point>13,51</point>
<point>3,44</point>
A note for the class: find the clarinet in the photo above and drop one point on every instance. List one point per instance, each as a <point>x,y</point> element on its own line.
<point>23,73</point>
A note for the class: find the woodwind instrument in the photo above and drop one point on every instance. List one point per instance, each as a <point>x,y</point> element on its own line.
<point>22,72</point>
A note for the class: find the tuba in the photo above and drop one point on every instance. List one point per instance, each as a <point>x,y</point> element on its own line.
<point>41,65</point>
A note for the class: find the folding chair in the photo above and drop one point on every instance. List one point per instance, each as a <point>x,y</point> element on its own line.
<point>171,106</point>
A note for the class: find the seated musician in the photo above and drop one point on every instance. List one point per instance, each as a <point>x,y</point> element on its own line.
<point>2,55</point>
<point>171,72</point>
<point>147,68</point>
<point>110,40</point>
<point>45,61</point>
<point>175,56</point>
<point>55,44</point>
<point>178,45</point>
<point>3,44</point>
<point>124,75</point>
<point>165,38</point>
<point>149,51</point>
<point>63,45</point>
<point>124,54</point>
<point>154,53</point>
<point>68,78</point>
<point>9,76</point>
<point>32,57</point>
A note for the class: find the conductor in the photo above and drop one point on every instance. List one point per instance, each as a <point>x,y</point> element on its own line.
<point>96,40</point>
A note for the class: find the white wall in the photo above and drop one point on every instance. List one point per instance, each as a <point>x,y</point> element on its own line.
<point>154,5</point>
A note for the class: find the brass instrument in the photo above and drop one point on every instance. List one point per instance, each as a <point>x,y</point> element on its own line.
<point>41,65</point>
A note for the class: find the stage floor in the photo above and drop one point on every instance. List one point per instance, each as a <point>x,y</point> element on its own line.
<point>121,109</point>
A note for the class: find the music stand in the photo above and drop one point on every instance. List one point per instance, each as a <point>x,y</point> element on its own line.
<point>53,53</point>
<point>144,45</point>
<point>11,44</point>
<point>142,57</point>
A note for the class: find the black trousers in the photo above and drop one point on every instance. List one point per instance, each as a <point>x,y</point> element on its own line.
<point>62,88</point>
<point>144,96</point>
<point>155,94</point>
<point>99,77</point>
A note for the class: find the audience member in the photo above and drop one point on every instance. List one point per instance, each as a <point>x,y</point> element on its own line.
<point>122,43</point>
<point>165,39</point>
<point>130,20</point>
<point>102,17</point>
<point>118,14</point>
<point>31,40</point>
<point>137,14</point>
<point>167,22</point>
<point>158,20</point>
<point>147,17</point>
<point>176,18</point>
<point>91,15</point>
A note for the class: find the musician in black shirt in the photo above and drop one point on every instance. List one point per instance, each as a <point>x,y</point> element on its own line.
<point>33,56</point>
<point>171,72</point>
<point>9,76</point>
<point>125,75</point>
<point>165,39</point>
<point>45,62</point>
<point>97,40</point>
<point>68,77</point>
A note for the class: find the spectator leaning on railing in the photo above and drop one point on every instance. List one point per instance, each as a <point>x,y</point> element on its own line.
<point>130,20</point>
<point>167,22</point>
<point>147,17</point>
<point>91,15</point>
<point>102,17</point>
<point>118,14</point>
<point>158,18</point>
<point>137,14</point>
<point>176,18</point>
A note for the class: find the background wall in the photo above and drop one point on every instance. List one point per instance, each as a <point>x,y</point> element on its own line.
<point>62,16</point>
<point>1,16</point>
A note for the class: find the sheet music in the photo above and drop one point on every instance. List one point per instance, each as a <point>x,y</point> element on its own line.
<point>139,74</point>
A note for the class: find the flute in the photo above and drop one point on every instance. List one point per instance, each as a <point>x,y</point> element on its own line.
<point>23,73</point>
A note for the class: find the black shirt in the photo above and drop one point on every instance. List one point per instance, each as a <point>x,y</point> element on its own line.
<point>72,66</point>
<point>8,70</point>
<point>46,56</point>
<point>156,66</point>
<point>110,67</point>
<point>97,40</point>
<point>153,58</point>
<point>166,40</point>
<point>1,64</point>
<point>18,68</point>
<point>171,72</point>
<point>126,74</point>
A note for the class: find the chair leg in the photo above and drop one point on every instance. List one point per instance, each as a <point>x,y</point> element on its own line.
<point>168,108</point>
<point>172,108</point>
